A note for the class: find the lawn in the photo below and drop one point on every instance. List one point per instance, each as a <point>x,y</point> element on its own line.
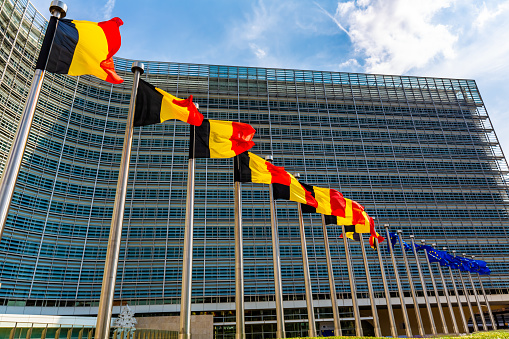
<point>488,335</point>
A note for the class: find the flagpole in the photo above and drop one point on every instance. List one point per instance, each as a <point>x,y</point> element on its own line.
<point>280,317</point>
<point>467,297</point>
<point>392,321</point>
<point>406,320</point>
<point>240,332</point>
<point>117,219</point>
<point>474,289</point>
<point>58,10</point>
<point>187,260</point>
<point>493,320</point>
<point>307,275</point>
<point>425,290</point>
<point>446,292</point>
<point>353,288</point>
<point>376,321</point>
<point>332,283</point>
<point>411,283</point>
<point>460,306</point>
<point>437,296</point>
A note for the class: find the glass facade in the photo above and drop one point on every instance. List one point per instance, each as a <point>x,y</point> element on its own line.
<point>419,153</point>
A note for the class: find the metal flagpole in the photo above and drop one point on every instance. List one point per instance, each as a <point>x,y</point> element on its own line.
<point>493,321</point>
<point>411,283</point>
<point>117,219</point>
<point>392,321</point>
<point>424,289</point>
<point>435,289</point>
<point>307,275</point>
<point>474,289</point>
<point>58,10</point>
<point>376,321</point>
<point>408,330</point>
<point>240,332</point>
<point>280,317</point>
<point>460,306</point>
<point>332,283</point>
<point>187,260</point>
<point>446,292</point>
<point>467,297</point>
<point>353,289</point>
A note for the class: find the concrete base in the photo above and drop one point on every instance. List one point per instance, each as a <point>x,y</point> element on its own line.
<point>202,326</point>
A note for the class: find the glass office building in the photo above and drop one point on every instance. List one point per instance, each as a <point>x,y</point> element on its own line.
<point>419,153</point>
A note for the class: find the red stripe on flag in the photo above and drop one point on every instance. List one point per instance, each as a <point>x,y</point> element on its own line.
<point>112,34</point>
<point>357,216</point>
<point>337,203</point>
<point>242,137</point>
<point>195,118</point>
<point>310,199</point>
<point>279,175</point>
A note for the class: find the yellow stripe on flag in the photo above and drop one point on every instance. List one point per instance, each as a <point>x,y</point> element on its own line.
<point>297,192</point>
<point>348,219</point>
<point>91,50</point>
<point>220,144</point>
<point>365,227</point>
<point>171,111</point>
<point>322,196</point>
<point>259,172</point>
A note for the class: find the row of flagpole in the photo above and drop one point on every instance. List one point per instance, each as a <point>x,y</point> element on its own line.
<point>58,10</point>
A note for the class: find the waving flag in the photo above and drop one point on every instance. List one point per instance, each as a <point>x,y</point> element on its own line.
<point>330,201</point>
<point>81,47</point>
<point>153,106</point>
<point>220,139</point>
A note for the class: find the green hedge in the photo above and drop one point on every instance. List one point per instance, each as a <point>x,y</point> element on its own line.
<point>488,335</point>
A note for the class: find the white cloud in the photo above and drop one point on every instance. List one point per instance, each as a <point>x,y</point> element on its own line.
<point>487,15</point>
<point>260,53</point>
<point>108,9</point>
<point>395,36</point>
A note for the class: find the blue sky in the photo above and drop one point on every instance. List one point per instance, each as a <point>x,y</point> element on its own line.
<point>442,38</point>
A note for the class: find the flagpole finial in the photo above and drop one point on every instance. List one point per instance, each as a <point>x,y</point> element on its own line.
<point>138,66</point>
<point>269,158</point>
<point>464,255</point>
<point>58,9</point>
<point>386,226</point>
<point>197,105</point>
<point>473,257</point>
<point>399,231</point>
<point>424,241</point>
<point>296,175</point>
<point>411,236</point>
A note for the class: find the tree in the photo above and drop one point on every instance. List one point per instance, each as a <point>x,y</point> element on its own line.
<point>126,318</point>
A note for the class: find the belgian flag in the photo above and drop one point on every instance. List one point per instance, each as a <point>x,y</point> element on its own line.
<point>353,214</point>
<point>362,223</point>
<point>153,106</point>
<point>330,201</point>
<point>78,47</point>
<point>220,139</point>
<point>351,234</point>
<point>249,167</point>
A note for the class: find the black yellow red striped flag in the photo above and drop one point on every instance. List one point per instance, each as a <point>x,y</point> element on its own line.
<point>153,106</point>
<point>330,201</point>
<point>249,167</point>
<point>220,139</point>
<point>81,47</point>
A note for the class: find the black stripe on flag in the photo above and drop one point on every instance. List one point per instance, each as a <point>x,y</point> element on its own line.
<point>241,169</point>
<point>280,191</point>
<point>199,142</point>
<point>148,105</point>
<point>331,220</point>
<point>306,208</point>
<point>62,49</point>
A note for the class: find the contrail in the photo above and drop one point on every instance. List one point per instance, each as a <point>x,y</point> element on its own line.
<point>334,19</point>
